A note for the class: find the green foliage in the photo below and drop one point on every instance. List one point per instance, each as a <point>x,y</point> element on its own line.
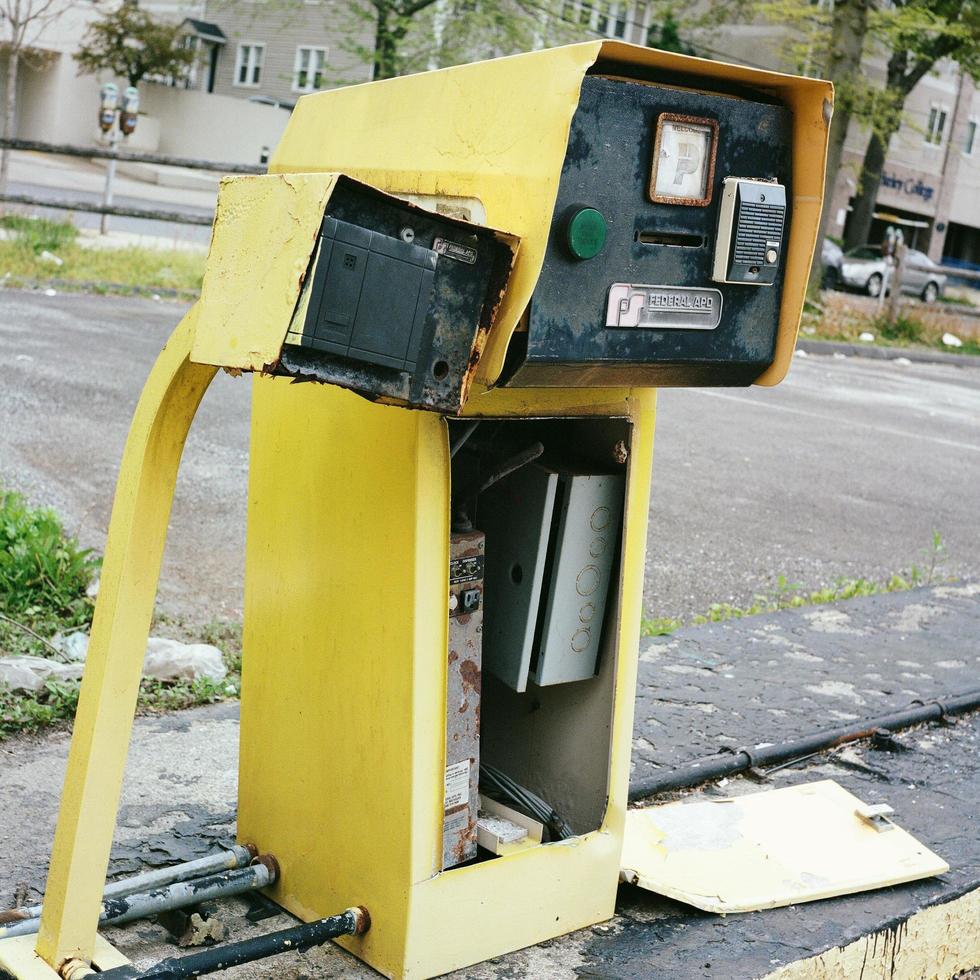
<point>40,234</point>
<point>659,626</point>
<point>43,571</point>
<point>791,595</point>
<point>57,702</point>
<point>905,329</point>
<point>19,713</point>
<point>130,43</point>
<point>667,35</point>
<point>416,35</point>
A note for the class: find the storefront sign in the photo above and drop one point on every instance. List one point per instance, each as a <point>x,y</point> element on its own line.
<point>910,185</point>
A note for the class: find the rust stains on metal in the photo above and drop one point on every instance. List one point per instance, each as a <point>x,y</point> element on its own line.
<point>362,920</point>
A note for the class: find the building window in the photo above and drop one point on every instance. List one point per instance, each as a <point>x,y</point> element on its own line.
<point>619,25</point>
<point>936,128</point>
<point>248,64</point>
<point>308,69</point>
<point>971,137</point>
<point>602,22</point>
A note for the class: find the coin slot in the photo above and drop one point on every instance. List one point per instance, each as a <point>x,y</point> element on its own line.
<point>677,239</point>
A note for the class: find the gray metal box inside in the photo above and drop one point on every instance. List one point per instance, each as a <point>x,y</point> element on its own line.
<point>371,301</point>
<point>554,537</point>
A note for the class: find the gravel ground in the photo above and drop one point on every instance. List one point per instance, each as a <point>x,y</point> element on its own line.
<point>844,470</point>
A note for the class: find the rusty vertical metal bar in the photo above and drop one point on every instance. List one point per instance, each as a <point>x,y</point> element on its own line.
<point>462,779</point>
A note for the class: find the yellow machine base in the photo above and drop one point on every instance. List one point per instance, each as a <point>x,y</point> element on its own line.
<point>19,959</point>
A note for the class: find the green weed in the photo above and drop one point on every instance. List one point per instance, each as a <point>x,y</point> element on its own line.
<point>40,234</point>
<point>57,702</point>
<point>791,595</point>
<point>44,573</point>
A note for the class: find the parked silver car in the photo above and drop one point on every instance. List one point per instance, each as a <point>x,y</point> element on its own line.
<point>864,268</point>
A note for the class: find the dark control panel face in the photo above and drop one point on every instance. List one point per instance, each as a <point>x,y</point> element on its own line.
<point>396,300</point>
<point>638,301</point>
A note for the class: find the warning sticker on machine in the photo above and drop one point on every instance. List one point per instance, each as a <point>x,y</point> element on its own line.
<point>466,569</point>
<point>457,785</point>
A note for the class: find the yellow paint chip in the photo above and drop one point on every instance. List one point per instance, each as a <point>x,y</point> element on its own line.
<point>768,850</point>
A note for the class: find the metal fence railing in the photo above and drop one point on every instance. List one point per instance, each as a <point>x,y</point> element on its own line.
<point>106,207</point>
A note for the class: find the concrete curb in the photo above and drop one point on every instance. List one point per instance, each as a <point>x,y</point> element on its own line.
<point>919,355</point>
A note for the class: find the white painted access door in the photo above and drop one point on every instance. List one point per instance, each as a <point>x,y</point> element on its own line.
<point>769,849</point>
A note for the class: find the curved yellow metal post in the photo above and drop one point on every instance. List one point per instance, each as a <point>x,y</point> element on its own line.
<point>110,686</point>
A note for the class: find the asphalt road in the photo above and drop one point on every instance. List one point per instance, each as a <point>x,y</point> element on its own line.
<point>844,470</point>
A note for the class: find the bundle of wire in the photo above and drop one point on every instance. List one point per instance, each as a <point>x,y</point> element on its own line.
<point>500,784</point>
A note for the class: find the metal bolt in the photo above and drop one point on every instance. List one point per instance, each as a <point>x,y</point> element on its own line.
<point>407,235</point>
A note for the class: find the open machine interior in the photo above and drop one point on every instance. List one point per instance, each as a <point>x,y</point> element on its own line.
<point>534,576</point>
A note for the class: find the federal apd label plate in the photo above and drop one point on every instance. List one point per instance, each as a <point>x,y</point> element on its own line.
<point>663,307</point>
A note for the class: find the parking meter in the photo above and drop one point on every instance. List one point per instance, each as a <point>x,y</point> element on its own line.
<point>457,293</point>
<point>129,113</point>
<point>108,103</point>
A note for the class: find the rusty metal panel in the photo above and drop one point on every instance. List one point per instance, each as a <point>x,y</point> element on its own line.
<point>462,784</point>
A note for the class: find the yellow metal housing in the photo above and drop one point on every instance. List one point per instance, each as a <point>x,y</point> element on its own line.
<point>496,132</point>
<point>343,713</point>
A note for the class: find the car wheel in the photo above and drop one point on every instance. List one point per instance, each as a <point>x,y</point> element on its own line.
<point>931,293</point>
<point>873,285</point>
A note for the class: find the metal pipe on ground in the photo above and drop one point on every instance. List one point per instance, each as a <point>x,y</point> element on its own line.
<point>237,857</point>
<point>179,894</point>
<point>352,922</point>
<point>770,755</point>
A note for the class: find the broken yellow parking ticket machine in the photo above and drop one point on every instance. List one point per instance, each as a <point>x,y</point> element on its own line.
<point>457,293</point>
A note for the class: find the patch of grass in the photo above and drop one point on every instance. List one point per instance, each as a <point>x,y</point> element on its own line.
<point>791,595</point>
<point>226,635</point>
<point>40,234</point>
<point>57,702</point>
<point>843,318</point>
<point>44,573</point>
<point>905,329</point>
<point>104,269</point>
<point>659,626</point>
<point>44,578</point>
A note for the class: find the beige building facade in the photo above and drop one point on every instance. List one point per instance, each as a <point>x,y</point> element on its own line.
<point>273,53</point>
<point>930,183</point>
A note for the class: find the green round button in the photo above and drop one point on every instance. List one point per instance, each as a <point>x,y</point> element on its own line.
<point>586,233</point>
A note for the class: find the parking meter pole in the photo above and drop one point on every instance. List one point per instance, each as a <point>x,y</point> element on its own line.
<point>110,176</point>
<point>885,284</point>
<point>895,295</point>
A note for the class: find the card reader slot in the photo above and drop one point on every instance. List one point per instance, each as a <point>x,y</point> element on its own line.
<point>676,239</point>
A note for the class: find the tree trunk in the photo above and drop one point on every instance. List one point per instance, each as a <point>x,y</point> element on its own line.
<point>384,46</point>
<point>859,227</point>
<point>900,80</point>
<point>850,23</point>
<point>9,114</point>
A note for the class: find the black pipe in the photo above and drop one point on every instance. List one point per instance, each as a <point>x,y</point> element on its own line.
<point>738,761</point>
<point>353,922</point>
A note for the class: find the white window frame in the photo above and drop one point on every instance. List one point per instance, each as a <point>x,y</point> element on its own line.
<point>310,70</point>
<point>968,151</point>
<point>619,13</point>
<point>937,111</point>
<point>253,63</point>
<point>192,42</point>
